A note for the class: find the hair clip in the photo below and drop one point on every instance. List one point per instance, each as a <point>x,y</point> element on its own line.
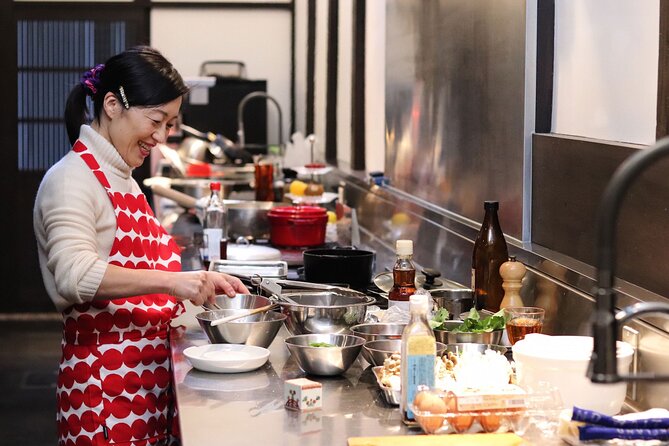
<point>123,98</point>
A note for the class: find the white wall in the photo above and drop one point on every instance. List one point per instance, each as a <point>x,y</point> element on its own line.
<point>345,83</point>
<point>605,74</point>
<point>301,25</point>
<point>320,73</point>
<point>375,85</point>
<point>259,38</point>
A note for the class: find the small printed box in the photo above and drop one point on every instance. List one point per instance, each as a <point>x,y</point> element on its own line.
<point>302,394</point>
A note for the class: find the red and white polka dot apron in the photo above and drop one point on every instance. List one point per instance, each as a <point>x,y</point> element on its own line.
<point>114,385</point>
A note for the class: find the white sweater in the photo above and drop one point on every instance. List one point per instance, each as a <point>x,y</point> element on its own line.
<point>75,223</point>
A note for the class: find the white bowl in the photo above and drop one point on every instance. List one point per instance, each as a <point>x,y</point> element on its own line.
<point>562,361</point>
<point>226,358</point>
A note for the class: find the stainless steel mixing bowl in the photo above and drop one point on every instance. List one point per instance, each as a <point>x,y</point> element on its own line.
<point>326,312</point>
<point>447,337</point>
<point>324,361</point>
<point>376,352</point>
<point>257,329</point>
<point>378,330</point>
<point>239,302</point>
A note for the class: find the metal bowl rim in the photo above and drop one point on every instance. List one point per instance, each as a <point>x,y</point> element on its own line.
<point>359,341</point>
<point>278,317</point>
<point>368,301</point>
<point>376,324</point>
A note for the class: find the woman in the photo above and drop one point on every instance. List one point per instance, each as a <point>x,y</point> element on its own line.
<point>107,263</point>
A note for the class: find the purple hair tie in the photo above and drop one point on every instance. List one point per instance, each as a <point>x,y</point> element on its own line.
<point>91,79</point>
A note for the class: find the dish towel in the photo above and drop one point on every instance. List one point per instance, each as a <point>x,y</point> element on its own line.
<point>650,425</point>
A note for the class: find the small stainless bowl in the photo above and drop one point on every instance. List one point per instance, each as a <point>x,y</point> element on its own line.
<point>447,337</point>
<point>257,329</point>
<point>481,348</point>
<point>376,352</point>
<point>377,331</point>
<point>324,361</point>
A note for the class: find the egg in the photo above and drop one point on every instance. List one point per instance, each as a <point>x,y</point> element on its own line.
<point>434,409</point>
<point>461,422</point>
<point>429,402</point>
<point>490,421</point>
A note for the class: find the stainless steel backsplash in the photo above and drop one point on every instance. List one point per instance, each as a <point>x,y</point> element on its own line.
<point>455,72</point>
<point>563,286</point>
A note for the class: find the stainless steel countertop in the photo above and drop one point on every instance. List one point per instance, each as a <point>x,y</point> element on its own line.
<point>247,408</point>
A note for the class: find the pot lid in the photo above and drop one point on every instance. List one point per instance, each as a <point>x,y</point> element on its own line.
<point>297,212</point>
<point>384,281</point>
<point>252,252</point>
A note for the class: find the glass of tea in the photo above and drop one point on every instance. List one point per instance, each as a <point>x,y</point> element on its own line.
<point>521,321</point>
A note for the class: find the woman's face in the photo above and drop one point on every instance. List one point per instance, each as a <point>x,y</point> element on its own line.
<point>134,132</point>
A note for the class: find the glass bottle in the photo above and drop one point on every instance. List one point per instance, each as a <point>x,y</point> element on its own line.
<point>215,226</point>
<point>490,252</point>
<point>404,276</point>
<point>418,354</point>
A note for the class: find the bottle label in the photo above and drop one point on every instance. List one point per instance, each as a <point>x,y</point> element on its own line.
<point>212,242</point>
<point>473,280</point>
<point>420,371</point>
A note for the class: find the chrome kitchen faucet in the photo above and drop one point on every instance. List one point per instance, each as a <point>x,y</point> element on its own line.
<point>241,139</point>
<point>605,323</point>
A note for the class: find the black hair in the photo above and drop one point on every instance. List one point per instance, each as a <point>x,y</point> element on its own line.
<point>146,78</point>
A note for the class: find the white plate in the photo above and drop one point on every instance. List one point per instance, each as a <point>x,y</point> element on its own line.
<point>305,171</point>
<point>226,358</point>
<point>252,252</point>
<point>325,197</point>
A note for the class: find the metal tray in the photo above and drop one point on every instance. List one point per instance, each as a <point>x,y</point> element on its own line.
<point>391,396</point>
<point>264,268</point>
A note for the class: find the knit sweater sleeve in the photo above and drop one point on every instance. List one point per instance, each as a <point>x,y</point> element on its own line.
<point>72,218</point>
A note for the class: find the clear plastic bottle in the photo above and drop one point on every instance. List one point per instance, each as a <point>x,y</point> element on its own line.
<point>490,252</point>
<point>215,226</point>
<point>404,276</point>
<point>419,350</point>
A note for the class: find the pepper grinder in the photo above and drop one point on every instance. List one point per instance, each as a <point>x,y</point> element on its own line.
<point>512,273</point>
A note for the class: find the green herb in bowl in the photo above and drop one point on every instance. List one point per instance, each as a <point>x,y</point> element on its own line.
<point>321,344</point>
<point>472,323</point>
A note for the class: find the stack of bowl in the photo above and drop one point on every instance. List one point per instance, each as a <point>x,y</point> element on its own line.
<point>258,329</point>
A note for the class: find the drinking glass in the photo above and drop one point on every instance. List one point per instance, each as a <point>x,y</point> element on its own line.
<point>521,321</point>
<point>264,180</point>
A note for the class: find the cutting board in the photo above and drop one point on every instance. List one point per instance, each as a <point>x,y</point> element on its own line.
<point>439,440</point>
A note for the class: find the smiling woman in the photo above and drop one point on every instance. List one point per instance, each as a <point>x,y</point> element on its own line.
<point>108,264</point>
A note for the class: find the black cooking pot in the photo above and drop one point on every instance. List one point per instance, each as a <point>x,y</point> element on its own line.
<point>341,265</point>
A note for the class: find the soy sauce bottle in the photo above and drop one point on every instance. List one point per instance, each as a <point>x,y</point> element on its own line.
<point>490,252</point>
<point>404,276</point>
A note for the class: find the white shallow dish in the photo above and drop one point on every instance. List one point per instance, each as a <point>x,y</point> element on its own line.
<point>226,358</point>
<point>325,197</point>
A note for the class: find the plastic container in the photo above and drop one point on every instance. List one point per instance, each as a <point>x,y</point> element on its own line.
<point>443,412</point>
<point>562,361</point>
<point>297,226</point>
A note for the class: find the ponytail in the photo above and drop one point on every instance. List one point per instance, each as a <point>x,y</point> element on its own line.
<point>76,112</point>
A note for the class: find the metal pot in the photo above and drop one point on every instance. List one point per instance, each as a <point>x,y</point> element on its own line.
<point>249,219</point>
<point>455,300</point>
<point>351,266</point>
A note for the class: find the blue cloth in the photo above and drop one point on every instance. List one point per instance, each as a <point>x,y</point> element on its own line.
<point>592,417</point>
<point>589,432</point>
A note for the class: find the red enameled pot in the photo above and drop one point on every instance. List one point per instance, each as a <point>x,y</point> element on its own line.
<point>296,226</point>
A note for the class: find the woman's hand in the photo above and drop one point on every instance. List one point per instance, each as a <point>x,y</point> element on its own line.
<point>203,286</point>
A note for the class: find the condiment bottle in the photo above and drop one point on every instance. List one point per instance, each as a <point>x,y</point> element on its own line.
<point>404,276</point>
<point>490,252</point>
<point>418,354</point>
<point>215,227</point>
<point>512,273</point>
